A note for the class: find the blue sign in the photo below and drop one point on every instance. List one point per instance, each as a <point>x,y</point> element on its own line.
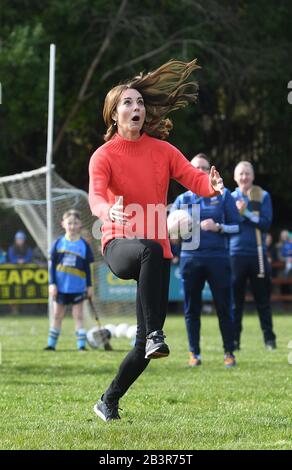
<point>113,289</point>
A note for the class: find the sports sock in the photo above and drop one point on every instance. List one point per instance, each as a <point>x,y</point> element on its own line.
<point>81,338</point>
<point>54,334</point>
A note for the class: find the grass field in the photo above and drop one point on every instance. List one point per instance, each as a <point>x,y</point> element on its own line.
<point>47,398</point>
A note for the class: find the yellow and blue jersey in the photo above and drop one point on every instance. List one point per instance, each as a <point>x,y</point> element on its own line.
<point>70,265</point>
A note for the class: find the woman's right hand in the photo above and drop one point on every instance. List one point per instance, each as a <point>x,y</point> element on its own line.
<point>116,213</point>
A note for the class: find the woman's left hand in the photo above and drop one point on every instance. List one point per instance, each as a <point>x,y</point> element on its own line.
<point>216,180</point>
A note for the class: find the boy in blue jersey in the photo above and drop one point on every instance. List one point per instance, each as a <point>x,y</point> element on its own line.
<point>70,278</point>
<point>249,253</point>
<point>210,262</point>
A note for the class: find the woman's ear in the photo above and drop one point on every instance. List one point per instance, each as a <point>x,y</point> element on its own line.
<point>114,116</point>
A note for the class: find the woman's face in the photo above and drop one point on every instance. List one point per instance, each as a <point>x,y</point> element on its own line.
<point>130,114</point>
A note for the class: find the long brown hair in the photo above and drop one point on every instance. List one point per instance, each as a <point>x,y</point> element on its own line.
<point>164,90</point>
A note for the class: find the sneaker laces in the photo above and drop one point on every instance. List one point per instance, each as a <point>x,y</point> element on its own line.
<point>156,336</point>
<point>113,410</point>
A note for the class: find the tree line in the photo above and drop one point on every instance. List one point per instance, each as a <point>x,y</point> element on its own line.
<point>243,47</point>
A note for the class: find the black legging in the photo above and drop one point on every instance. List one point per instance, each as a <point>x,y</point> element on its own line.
<point>143,261</point>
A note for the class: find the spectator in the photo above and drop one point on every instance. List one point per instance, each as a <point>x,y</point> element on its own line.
<point>2,256</point>
<point>248,260</point>
<point>209,262</point>
<point>287,255</point>
<point>20,252</point>
<point>283,237</point>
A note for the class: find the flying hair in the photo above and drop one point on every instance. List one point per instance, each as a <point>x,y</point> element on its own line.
<point>164,90</point>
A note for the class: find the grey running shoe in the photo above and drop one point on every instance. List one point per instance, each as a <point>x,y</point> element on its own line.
<point>270,345</point>
<point>155,345</point>
<point>107,411</point>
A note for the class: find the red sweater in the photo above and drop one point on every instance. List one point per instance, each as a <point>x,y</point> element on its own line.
<point>139,171</point>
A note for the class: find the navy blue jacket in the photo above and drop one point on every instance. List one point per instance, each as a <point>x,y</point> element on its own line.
<point>222,210</point>
<point>244,243</point>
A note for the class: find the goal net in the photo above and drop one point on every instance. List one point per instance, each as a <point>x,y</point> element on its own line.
<point>24,194</point>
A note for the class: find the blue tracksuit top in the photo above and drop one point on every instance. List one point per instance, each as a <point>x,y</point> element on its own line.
<point>244,243</point>
<point>70,265</point>
<point>222,210</point>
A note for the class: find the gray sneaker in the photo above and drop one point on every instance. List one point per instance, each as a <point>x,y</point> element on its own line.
<point>270,345</point>
<point>155,345</point>
<point>106,411</point>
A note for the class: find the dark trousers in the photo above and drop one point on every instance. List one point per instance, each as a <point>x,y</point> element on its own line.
<point>247,268</point>
<point>143,261</point>
<point>195,272</point>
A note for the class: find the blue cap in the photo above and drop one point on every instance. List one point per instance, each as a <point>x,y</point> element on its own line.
<point>20,236</point>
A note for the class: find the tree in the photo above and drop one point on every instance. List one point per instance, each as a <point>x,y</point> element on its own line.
<point>244,48</point>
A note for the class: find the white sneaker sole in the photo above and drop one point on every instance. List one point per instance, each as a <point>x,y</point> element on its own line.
<point>156,354</point>
<point>99,413</point>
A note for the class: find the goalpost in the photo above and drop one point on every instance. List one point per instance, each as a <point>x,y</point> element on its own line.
<point>49,157</point>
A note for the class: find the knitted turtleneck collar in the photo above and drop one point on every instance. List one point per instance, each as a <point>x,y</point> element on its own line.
<point>120,144</point>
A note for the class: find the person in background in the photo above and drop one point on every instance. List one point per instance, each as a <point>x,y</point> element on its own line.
<point>2,256</point>
<point>70,279</point>
<point>246,262</point>
<point>20,252</point>
<point>283,237</point>
<point>209,262</point>
<point>286,253</point>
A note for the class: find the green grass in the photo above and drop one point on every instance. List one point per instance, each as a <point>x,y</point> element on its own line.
<point>47,398</point>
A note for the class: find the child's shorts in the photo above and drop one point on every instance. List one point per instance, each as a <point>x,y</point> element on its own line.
<point>66,299</point>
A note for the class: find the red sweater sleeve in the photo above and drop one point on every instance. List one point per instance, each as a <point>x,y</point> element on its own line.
<point>99,177</point>
<point>183,171</point>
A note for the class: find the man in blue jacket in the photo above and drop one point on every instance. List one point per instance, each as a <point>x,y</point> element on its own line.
<point>248,252</point>
<point>210,262</point>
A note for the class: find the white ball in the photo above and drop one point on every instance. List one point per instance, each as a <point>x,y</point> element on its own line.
<point>96,337</point>
<point>93,337</point>
<point>121,330</point>
<point>179,223</point>
<point>112,329</point>
<point>131,331</point>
